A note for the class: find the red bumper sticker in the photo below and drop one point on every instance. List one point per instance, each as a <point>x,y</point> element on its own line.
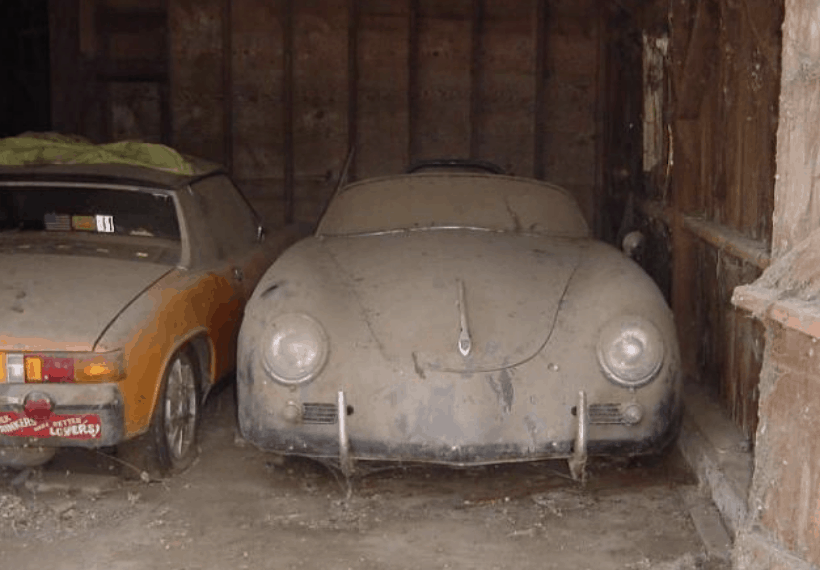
<point>83,426</point>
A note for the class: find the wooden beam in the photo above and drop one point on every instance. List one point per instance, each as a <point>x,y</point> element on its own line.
<point>412,79</point>
<point>476,76</point>
<point>539,142</point>
<point>352,84</point>
<point>730,241</point>
<point>719,236</point>
<point>227,84</point>
<point>287,99</point>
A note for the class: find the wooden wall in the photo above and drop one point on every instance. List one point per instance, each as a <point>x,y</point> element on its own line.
<point>279,89</point>
<point>717,197</point>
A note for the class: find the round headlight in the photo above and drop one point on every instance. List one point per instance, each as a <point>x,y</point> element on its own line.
<point>296,350</point>
<point>630,350</point>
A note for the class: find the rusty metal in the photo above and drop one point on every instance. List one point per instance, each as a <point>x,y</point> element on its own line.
<point>227,83</point>
<point>352,83</point>
<point>476,75</point>
<point>412,78</point>
<point>287,100</point>
<point>539,142</point>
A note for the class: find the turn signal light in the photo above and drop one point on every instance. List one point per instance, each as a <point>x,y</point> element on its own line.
<point>104,367</point>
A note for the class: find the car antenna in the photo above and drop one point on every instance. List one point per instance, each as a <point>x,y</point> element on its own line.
<point>342,178</point>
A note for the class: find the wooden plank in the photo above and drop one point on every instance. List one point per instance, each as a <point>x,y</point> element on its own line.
<point>476,76</point>
<point>699,57</point>
<point>508,86</point>
<point>540,119</point>
<point>730,241</point>
<point>227,84</point>
<point>443,91</point>
<point>384,100</point>
<point>321,98</point>
<point>287,116</point>
<point>196,76</point>
<point>352,84</point>
<point>131,70</point>
<point>413,16</point>
<point>258,107</point>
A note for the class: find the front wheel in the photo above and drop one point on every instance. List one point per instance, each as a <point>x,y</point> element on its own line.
<point>170,446</point>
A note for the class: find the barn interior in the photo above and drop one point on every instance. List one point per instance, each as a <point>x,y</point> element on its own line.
<point>687,120</point>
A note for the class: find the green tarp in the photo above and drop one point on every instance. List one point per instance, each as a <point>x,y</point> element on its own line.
<point>51,148</point>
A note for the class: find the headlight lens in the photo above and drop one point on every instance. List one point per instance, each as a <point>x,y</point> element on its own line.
<point>297,348</point>
<point>631,351</point>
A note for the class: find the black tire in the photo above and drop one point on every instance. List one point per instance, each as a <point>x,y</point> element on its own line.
<point>172,442</point>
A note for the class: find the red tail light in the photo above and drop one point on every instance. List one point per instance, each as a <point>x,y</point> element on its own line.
<point>58,369</point>
<point>41,368</point>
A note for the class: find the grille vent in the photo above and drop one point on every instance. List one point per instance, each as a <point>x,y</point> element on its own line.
<point>317,413</point>
<point>606,414</point>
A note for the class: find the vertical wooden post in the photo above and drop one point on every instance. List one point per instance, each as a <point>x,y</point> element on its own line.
<point>227,83</point>
<point>412,79</point>
<point>601,89</point>
<point>287,99</point>
<point>352,83</point>
<point>476,76</point>
<point>539,142</point>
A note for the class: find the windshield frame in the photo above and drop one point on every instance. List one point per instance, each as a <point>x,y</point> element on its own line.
<point>490,193</point>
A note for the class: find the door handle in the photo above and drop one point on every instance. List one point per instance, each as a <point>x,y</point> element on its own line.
<point>237,274</point>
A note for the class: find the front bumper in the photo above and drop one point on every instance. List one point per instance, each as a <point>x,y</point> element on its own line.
<point>351,431</point>
<point>76,411</point>
<point>309,442</point>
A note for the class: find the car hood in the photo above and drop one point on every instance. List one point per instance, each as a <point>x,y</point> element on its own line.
<point>63,302</point>
<point>414,289</point>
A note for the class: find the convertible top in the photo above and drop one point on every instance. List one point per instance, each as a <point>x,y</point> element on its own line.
<point>50,156</point>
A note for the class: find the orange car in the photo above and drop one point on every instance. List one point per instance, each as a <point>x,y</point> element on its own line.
<point>122,288</point>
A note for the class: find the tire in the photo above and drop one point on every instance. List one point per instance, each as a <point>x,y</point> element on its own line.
<point>171,444</point>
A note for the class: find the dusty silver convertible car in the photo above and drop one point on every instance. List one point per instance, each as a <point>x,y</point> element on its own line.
<point>459,318</point>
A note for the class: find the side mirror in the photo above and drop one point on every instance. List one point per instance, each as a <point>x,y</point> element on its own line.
<point>632,244</point>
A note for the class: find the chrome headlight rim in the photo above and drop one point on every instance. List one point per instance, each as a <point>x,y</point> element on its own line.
<point>280,326</point>
<point>631,331</point>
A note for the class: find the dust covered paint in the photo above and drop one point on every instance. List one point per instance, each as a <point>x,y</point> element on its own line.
<point>463,318</point>
<point>114,327</point>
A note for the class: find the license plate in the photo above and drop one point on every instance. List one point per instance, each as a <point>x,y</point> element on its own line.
<point>79,426</point>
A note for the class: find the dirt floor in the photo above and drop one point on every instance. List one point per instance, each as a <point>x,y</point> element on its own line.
<point>240,508</point>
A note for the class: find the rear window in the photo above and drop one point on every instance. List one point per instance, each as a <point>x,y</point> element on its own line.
<point>52,208</point>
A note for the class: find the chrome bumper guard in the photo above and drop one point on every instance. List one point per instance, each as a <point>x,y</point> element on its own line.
<point>345,461</point>
<point>578,461</point>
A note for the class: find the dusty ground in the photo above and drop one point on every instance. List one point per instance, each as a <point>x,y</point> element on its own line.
<point>240,508</point>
